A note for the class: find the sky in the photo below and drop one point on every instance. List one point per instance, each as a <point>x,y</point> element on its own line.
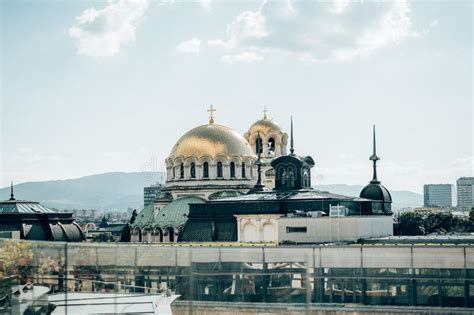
<point>96,86</point>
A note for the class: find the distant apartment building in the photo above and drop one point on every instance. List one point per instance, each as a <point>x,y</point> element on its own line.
<point>438,195</point>
<point>150,192</point>
<point>465,193</point>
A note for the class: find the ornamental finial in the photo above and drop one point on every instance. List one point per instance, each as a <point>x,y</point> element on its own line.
<point>374,158</point>
<point>211,118</point>
<point>12,196</point>
<point>292,142</point>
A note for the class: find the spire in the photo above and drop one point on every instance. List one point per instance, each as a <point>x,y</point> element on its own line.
<point>374,158</point>
<point>211,118</point>
<point>12,196</point>
<point>265,111</point>
<point>292,142</point>
<point>258,185</point>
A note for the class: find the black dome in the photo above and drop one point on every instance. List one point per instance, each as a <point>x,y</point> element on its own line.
<point>376,191</point>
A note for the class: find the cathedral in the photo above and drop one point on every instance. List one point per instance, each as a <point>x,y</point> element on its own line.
<point>214,174</point>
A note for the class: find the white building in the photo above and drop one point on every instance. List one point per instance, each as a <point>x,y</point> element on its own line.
<point>297,229</point>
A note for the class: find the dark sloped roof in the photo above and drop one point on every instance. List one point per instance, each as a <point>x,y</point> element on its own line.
<point>224,194</point>
<point>302,194</point>
<point>20,206</point>
<point>376,191</point>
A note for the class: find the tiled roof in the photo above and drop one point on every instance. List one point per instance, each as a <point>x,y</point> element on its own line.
<point>176,213</point>
<point>145,217</point>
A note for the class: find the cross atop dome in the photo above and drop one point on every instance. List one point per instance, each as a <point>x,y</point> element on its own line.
<point>265,111</point>
<point>211,118</point>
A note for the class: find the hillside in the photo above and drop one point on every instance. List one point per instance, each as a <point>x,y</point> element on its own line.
<point>107,191</point>
<point>120,190</point>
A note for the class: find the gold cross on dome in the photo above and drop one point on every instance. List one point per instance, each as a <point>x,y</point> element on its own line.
<point>265,111</point>
<point>211,119</point>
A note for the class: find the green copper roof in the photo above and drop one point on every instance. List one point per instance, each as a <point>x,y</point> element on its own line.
<point>176,213</point>
<point>145,217</point>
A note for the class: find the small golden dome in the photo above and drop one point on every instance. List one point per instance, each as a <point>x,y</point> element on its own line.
<point>264,126</point>
<point>211,140</point>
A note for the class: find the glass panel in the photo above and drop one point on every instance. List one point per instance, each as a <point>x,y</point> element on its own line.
<point>452,293</point>
<point>376,291</point>
<point>427,293</point>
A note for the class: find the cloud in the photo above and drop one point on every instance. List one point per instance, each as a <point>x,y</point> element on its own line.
<point>206,4</point>
<point>318,30</point>
<point>102,32</point>
<point>192,46</point>
<point>245,56</point>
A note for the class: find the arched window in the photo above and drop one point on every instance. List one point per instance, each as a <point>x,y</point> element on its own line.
<point>306,179</point>
<point>192,170</point>
<point>171,235</point>
<point>219,170</point>
<point>258,146</point>
<point>205,170</point>
<point>232,170</point>
<point>243,169</point>
<point>181,171</point>
<point>174,172</point>
<point>290,184</point>
<point>271,146</point>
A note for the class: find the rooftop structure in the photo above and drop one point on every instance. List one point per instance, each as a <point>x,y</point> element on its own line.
<point>375,190</point>
<point>32,221</point>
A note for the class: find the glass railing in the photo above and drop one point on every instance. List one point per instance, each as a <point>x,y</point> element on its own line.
<point>404,275</point>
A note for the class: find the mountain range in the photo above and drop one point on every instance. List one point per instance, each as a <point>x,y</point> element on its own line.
<point>120,191</point>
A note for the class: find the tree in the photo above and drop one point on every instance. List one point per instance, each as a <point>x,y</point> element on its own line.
<point>411,223</point>
<point>103,238</point>
<point>415,223</point>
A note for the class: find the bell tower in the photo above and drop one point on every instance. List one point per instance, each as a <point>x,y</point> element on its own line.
<point>269,140</point>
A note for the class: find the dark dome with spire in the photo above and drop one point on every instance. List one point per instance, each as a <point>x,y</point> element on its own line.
<point>375,190</point>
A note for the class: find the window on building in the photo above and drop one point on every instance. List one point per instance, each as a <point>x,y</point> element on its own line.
<point>192,171</point>
<point>181,171</point>
<point>243,170</point>
<point>232,170</point>
<point>219,170</point>
<point>271,146</point>
<point>290,179</point>
<point>205,170</point>
<point>306,182</point>
<point>258,146</point>
<point>174,172</point>
<point>296,229</point>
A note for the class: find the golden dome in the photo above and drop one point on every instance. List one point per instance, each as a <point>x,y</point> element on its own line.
<point>264,126</point>
<point>211,140</point>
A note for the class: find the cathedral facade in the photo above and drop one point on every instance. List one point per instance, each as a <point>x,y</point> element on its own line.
<point>209,162</point>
